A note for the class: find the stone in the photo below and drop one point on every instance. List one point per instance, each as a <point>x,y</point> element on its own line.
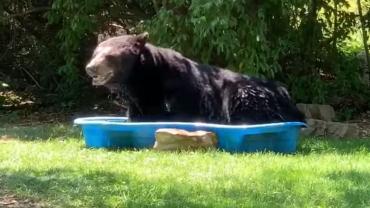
<point>309,110</point>
<point>318,127</point>
<point>316,111</point>
<point>178,139</point>
<point>343,130</point>
<point>304,109</point>
<point>326,112</point>
<point>309,130</point>
<point>353,131</point>
<point>337,129</point>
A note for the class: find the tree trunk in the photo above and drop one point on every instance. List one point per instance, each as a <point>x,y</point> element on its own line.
<point>309,38</point>
<point>364,36</point>
<point>335,26</point>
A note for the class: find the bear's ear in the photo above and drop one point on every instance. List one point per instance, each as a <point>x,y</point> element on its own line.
<point>141,39</point>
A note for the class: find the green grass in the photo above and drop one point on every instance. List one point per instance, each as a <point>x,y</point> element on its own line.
<point>50,164</point>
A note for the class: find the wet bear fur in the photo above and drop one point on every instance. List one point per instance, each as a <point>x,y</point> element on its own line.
<point>160,84</point>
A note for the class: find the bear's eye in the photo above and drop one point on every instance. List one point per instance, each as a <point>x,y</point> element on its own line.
<point>110,57</point>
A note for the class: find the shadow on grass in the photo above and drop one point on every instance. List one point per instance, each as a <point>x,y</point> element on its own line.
<point>62,187</point>
<point>340,146</point>
<point>354,187</point>
<point>69,188</point>
<point>40,132</point>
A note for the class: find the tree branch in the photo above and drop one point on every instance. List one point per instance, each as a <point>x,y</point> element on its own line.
<point>31,11</point>
<point>32,77</point>
<point>155,5</point>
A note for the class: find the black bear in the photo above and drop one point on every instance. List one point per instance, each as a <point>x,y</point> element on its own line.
<point>160,84</point>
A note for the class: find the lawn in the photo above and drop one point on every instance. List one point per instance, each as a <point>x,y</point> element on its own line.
<point>50,166</point>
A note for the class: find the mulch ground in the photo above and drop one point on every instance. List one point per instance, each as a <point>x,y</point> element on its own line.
<point>8,200</point>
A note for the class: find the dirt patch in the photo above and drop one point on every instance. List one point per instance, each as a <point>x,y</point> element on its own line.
<point>28,116</point>
<point>11,201</point>
<point>6,139</point>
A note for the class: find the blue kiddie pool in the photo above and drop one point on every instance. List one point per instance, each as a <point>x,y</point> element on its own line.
<point>116,132</point>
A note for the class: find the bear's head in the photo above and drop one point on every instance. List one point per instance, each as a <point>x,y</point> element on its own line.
<point>114,59</point>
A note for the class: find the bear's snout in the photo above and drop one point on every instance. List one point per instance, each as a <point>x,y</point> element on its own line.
<point>100,72</point>
<point>91,71</point>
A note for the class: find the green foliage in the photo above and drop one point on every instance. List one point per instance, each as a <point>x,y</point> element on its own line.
<point>76,19</point>
<point>251,36</point>
<point>315,92</point>
<point>297,42</point>
<point>226,33</point>
<point>300,43</point>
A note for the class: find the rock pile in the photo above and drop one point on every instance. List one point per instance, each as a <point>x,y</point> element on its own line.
<point>320,122</point>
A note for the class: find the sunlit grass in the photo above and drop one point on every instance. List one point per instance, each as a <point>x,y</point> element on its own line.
<point>50,164</point>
